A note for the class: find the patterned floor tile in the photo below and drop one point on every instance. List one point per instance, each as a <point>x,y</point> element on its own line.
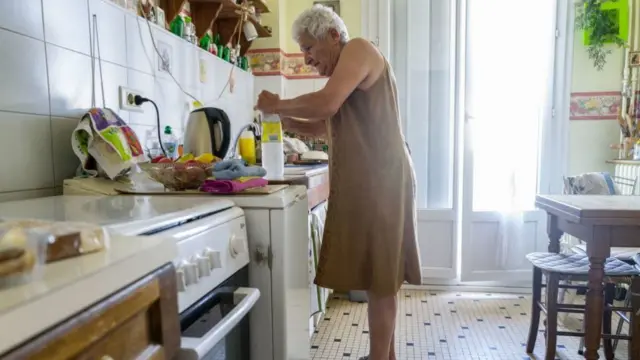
<point>446,326</point>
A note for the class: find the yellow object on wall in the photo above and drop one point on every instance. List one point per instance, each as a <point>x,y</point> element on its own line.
<point>284,12</point>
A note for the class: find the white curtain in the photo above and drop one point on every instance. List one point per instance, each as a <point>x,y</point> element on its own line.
<point>509,72</point>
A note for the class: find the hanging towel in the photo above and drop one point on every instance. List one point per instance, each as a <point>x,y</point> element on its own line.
<point>236,168</point>
<point>105,137</point>
<point>231,186</point>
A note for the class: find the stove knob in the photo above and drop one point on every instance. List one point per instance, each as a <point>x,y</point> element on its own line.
<point>236,245</point>
<point>180,280</point>
<point>190,272</point>
<point>215,260</point>
<point>204,266</point>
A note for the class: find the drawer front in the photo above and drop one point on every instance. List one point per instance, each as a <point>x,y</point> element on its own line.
<point>138,322</point>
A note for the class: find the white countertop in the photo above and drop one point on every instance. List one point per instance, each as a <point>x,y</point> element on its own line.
<point>310,170</point>
<point>68,286</point>
<point>126,215</point>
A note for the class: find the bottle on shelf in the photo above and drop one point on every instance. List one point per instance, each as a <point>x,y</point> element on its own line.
<point>177,25</point>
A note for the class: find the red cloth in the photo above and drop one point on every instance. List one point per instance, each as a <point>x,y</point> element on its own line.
<point>231,186</point>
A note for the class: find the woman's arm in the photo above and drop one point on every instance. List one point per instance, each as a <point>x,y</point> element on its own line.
<point>358,60</point>
<point>317,128</point>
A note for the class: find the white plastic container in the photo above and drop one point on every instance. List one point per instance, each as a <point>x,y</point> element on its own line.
<point>272,147</point>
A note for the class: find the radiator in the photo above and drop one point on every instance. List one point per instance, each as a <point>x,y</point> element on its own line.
<point>630,171</point>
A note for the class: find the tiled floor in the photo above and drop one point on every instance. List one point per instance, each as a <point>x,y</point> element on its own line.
<point>447,326</point>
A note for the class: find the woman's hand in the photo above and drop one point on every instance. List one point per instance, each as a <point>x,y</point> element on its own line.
<point>267,102</point>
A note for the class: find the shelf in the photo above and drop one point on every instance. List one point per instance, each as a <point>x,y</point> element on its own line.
<point>203,11</point>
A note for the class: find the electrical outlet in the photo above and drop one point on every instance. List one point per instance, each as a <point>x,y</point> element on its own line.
<point>126,100</point>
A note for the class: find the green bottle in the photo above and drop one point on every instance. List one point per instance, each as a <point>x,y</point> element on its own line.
<point>206,41</point>
<point>177,26</point>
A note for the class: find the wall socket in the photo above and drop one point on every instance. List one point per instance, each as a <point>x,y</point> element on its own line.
<point>126,99</point>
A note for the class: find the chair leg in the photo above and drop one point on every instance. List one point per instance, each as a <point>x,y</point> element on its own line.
<point>553,281</point>
<point>627,303</point>
<point>535,309</point>
<point>634,325</point>
<point>609,295</point>
<point>581,345</point>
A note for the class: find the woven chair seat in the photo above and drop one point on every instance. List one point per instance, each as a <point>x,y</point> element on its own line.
<point>578,264</point>
<point>620,253</point>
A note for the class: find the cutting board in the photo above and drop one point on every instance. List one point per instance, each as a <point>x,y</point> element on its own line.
<point>265,190</point>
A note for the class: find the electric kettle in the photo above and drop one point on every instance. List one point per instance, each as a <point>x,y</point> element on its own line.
<point>208,130</point>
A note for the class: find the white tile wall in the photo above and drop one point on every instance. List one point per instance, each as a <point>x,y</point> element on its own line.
<point>45,85</point>
<point>287,88</point>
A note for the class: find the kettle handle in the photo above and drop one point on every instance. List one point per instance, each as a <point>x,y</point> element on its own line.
<point>226,134</point>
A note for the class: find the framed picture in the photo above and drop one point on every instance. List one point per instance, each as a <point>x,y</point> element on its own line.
<point>634,59</point>
<point>333,4</point>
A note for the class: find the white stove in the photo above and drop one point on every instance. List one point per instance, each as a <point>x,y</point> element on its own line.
<point>212,267</point>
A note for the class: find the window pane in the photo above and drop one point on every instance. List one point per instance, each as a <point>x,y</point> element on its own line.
<point>423,62</point>
<point>507,94</point>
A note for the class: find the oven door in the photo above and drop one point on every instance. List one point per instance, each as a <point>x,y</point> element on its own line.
<point>217,326</point>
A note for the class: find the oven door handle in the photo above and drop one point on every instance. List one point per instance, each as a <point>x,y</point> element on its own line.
<point>197,348</point>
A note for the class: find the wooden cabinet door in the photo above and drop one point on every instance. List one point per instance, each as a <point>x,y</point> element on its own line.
<point>138,322</point>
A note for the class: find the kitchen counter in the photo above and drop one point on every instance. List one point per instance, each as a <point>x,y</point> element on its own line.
<point>314,178</point>
<point>69,286</point>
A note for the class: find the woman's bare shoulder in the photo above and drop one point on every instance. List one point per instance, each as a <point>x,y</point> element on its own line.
<point>374,59</point>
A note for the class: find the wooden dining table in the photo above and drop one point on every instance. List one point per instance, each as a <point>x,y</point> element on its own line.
<point>602,222</point>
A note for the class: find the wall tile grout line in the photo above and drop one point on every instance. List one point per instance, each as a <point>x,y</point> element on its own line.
<point>46,64</point>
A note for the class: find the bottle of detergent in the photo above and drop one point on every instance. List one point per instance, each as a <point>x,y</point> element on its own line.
<point>169,142</point>
<point>272,147</point>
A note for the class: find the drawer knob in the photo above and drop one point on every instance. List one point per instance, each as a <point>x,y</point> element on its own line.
<point>106,357</point>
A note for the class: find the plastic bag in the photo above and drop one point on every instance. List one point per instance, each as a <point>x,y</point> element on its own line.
<point>63,239</point>
<point>22,255</point>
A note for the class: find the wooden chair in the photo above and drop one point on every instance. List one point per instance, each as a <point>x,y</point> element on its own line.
<point>556,267</point>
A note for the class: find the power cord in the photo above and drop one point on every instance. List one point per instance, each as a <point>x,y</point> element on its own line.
<point>139,100</point>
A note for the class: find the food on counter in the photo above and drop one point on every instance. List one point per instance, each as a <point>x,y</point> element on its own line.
<point>179,176</point>
<point>206,158</point>
<point>315,155</point>
<point>185,158</point>
<point>20,253</point>
<point>62,239</point>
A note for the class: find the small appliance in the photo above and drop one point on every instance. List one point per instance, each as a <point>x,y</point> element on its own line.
<point>208,130</point>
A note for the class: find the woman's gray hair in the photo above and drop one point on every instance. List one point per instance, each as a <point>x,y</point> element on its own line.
<point>317,22</point>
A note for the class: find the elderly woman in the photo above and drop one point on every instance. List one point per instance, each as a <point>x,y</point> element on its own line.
<point>370,233</point>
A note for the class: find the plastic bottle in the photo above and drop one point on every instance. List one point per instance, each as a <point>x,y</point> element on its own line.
<point>248,147</point>
<point>272,147</point>
<point>177,26</point>
<point>169,142</point>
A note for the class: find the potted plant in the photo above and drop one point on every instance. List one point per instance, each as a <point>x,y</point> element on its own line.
<point>603,22</point>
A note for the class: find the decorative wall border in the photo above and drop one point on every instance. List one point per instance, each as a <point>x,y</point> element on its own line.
<point>597,105</point>
<point>270,62</point>
<point>602,105</point>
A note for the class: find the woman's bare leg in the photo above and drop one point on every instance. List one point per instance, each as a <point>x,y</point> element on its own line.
<point>382,323</point>
<point>392,347</point>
